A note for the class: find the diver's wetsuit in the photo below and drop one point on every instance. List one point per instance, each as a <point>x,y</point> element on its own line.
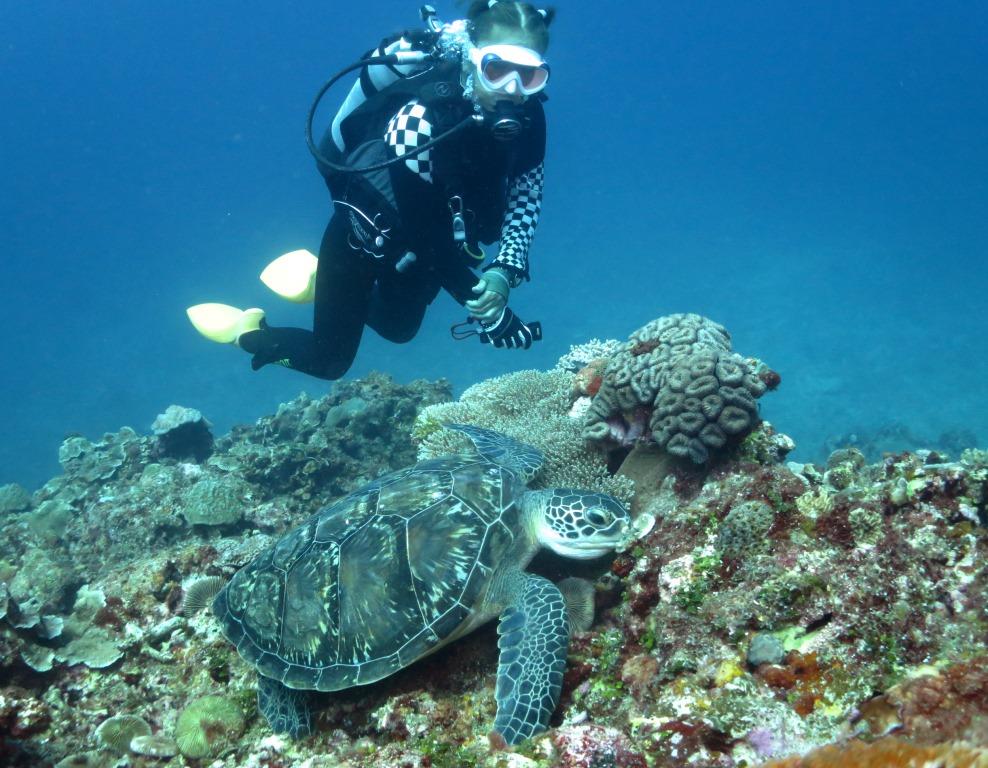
<point>357,284</point>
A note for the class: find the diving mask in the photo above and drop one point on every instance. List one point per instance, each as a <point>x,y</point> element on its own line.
<point>510,69</point>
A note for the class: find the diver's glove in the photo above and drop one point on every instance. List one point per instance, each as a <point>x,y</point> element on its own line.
<point>493,289</point>
<point>509,332</point>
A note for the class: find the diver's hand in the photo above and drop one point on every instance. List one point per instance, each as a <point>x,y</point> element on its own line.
<point>493,290</point>
<point>509,332</point>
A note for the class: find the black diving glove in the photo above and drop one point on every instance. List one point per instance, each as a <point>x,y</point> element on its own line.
<point>509,332</point>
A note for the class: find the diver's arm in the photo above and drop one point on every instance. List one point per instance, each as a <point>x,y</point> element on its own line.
<point>520,222</point>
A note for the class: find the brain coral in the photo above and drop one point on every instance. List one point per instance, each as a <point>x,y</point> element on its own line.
<point>677,382</point>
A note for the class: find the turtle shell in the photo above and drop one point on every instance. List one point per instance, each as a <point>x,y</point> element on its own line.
<point>378,579</point>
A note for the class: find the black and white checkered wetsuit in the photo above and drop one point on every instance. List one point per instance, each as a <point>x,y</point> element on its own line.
<point>500,184</point>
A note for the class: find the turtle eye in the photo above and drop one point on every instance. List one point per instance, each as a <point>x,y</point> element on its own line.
<point>599,517</point>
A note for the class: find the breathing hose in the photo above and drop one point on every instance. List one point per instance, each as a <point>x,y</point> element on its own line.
<point>408,57</point>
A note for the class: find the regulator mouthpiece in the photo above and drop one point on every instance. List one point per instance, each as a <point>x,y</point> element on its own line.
<point>505,121</point>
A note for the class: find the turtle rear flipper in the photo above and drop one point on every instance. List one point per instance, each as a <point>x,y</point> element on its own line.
<point>287,710</point>
<point>534,635</point>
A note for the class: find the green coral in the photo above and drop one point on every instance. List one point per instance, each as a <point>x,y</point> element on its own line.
<point>13,498</point>
<point>216,501</point>
<point>531,406</point>
<point>114,733</point>
<point>208,726</point>
<point>867,525</point>
<point>744,531</point>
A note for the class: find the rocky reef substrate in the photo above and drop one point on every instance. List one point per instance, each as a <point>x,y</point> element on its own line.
<point>773,613</point>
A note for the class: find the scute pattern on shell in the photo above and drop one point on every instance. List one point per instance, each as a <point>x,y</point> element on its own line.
<point>677,381</point>
<point>374,581</point>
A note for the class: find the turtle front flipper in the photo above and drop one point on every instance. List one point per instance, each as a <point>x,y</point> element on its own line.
<point>287,710</point>
<point>534,635</point>
<point>503,450</point>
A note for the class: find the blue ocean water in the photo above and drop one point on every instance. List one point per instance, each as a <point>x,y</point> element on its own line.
<point>812,175</point>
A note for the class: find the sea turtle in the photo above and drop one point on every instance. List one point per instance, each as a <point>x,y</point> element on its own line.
<point>409,563</point>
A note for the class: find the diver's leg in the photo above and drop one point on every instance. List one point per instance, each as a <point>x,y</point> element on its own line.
<point>398,304</point>
<point>286,709</point>
<point>343,286</point>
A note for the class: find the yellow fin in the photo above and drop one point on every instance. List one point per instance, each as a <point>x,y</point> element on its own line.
<point>223,323</point>
<point>292,276</point>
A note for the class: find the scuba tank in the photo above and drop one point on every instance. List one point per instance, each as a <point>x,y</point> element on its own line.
<point>393,61</point>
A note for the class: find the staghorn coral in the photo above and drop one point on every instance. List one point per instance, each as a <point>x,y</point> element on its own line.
<point>531,406</point>
<point>677,382</point>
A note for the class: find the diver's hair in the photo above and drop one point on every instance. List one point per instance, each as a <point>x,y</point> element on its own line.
<point>486,16</point>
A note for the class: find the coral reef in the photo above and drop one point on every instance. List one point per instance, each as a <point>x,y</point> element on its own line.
<point>877,441</point>
<point>183,433</point>
<point>532,406</point>
<point>888,753</point>
<point>208,726</point>
<point>772,609</point>
<point>676,382</point>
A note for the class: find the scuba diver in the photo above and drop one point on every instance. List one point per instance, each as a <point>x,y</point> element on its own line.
<point>437,149</point>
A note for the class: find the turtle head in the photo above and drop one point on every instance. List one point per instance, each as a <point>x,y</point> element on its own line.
<point>579,524</point>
